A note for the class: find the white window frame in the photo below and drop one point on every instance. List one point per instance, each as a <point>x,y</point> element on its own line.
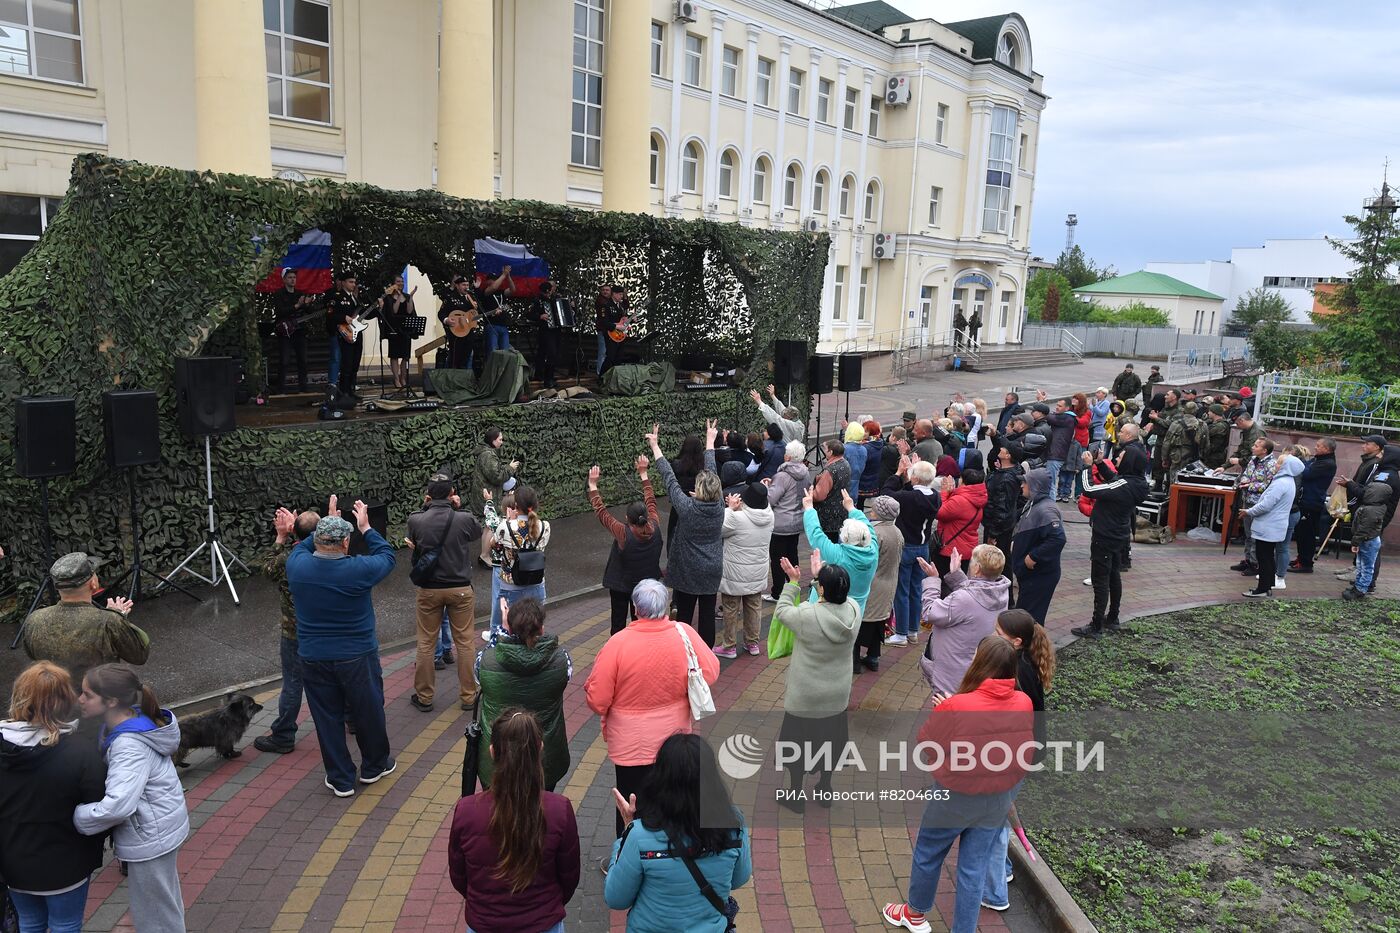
<point>847,192</point>
<point>979,305</point>
<point>928,301</point>
<point>935,205</point>
<point>792,186</point>
<point>1009,51</point>
<point>838,294</point>
<point>32,52</point>
<point>693,72</point>
<point>819,182</point>
<point>1016,222</point>
<point>46,204</point>
<point>875,102</point>
<point>286,80</point>
<point>730,68</point>
<point>763,83</point>
<point>1001,160</point>
<point>724,183</point>
<point>589,76</point>
<point>1021,151</point>
<point>1007,297</point>
<point>762,170</point>
<point>861,292</point>
<point>940,126</point>
<point>658,49</point>
<point>692,160</point>
<point>848,111</point>
<point>872,202</point>
<point>824,88</point>
<point>796,79</point>
<point>654,161</point>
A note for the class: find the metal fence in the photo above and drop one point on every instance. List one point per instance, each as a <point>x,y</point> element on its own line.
<point>1208,363</point>
<point>1137,342</point>
<point>1297,400</point>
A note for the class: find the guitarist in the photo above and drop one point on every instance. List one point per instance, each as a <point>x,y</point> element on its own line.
<point>288,306</point>
<point>615,317</point>
<point>491,296</point>
<point>459,301</point>
<point>345,354</point>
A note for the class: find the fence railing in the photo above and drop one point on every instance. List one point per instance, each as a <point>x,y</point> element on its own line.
<point>1071,344</point>
<point>1195,363</point>
<point>1295,399</point>
<point>1130,342</point>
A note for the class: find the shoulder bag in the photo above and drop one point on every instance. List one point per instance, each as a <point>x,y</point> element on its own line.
<point>937,543</point>
<point>421,573</point>
<point>471,756</point>
<point>702,703</point>
<point>729,909</point>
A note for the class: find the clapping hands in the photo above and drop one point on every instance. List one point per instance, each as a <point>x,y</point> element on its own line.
<point>119,604</point>
<point>790,570</point>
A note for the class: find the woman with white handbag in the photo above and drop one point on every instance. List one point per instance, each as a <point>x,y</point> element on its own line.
<point>650,681</point>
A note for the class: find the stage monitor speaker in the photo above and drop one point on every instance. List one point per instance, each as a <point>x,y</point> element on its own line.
<point>378,520</point>
<point>45,436</point>
<point>821,374</point>
<point>204,394</point>
<point>848,380</point>
<point>132,427</point>
<point>789,361</point>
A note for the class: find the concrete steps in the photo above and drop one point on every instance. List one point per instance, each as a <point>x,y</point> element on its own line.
<point>1019,358</point>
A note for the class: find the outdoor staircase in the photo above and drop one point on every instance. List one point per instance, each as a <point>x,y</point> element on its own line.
<point>989,359</point>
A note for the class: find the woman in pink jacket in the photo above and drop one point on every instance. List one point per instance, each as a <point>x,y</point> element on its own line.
<point>639,682</point>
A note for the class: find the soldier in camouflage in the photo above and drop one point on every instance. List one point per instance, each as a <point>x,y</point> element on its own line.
<point>1181,441</point>
<point>291,528</point>
<point>78,635</point>
<point>1215,446</point>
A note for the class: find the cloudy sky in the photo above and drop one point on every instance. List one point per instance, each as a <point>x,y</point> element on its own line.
<point>1178,130</point>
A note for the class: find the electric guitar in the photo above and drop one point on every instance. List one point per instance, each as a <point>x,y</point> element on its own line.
<point>618,333</point>
<point>289,326</point>
<point>351,330</point>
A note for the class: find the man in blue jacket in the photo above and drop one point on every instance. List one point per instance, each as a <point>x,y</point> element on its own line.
<point>338,645</point>
<point>1036,547</point>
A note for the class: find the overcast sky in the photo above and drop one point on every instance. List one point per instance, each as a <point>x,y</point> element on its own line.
<point>1178,130</point>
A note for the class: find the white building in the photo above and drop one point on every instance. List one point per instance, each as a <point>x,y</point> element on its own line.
<point>1289,268</point>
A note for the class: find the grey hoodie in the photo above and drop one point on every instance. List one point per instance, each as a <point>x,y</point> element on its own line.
<point>144,800</point>
<point>785,497</point>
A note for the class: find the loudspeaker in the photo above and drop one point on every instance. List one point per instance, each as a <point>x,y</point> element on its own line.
<point>789,361</point>
<point>204,394</point>
<point>821,374</point>
<point>132,427</point>
<point>378,520</point>
<point>849,377</point>
<point>45,436</point>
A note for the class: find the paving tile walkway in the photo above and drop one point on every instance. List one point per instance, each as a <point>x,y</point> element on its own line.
<point>273,850</point>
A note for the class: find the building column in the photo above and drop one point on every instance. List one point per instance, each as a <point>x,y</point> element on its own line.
<point>862,180</point>
<point>778,202</point>
<point>748,160</point>
<point>713,147</point>
<point>230,88</point>
<point>466,130</point>
<point>627,106</point>
<point>813,82</point>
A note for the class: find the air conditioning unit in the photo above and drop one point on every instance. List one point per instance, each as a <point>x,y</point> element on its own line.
<point>897,90</point>
<point>812,224</point>
<point>884,246</point>
<point>685,11</point>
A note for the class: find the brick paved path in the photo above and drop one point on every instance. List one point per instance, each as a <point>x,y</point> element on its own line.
<point>272,849</point>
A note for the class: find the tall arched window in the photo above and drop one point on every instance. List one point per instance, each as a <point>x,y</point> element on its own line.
<point>690,168</point>
<point>1008,53</point>
<point>725,183</point>
<point>761,170</point>
<point>655,161</point>
<point>819,192</point>
<point>845,204</point>
<point>792,185</point>
<point>872,202</point>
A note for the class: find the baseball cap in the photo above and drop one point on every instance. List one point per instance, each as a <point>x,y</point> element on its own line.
<point>1191,407</point>
<point>909,416</point>
<point>1246,392</point>
<point>1217,409</point>
<point>1041,407</point>
<point>333,529</point>
<point>1128,366</point>
<point>73,570</point>
<point>1101,389</point>
<point>1377,439</point>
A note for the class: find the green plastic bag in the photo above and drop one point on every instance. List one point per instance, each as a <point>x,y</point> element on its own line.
<point>780,639</point>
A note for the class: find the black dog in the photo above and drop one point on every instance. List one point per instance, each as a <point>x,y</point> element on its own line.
<point>218,729</point>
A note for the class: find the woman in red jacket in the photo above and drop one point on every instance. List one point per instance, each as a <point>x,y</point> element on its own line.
<point>1083,419</point>
<point>513,852</point>
<point>960,519</point>
<point>969,802</point>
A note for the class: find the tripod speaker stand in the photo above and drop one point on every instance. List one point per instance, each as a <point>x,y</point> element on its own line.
<point>47,583</point>
<point>137,568</point>
<point>220,556</point>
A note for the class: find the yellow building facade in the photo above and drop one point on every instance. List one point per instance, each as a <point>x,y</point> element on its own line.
<point>911,143</point>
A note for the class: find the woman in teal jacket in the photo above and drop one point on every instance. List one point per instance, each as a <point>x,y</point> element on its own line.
<point>857,552</point>
<point>648,876</point>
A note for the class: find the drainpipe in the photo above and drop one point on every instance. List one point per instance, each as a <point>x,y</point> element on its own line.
<point>913,176</point>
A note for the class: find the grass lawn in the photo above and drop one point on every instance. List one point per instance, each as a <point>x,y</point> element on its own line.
<point>1325,657</point>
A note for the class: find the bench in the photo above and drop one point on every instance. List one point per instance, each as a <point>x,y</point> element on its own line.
<point>1238,366</point>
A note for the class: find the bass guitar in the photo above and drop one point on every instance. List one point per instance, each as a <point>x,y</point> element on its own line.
<point>289,326</point>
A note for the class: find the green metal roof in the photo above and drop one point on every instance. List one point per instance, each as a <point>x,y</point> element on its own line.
<point>1146,283</point>
<point>983,32</point>
<point>873,15</point>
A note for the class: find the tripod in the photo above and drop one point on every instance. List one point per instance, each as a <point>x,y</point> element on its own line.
<point>47,582</point>
<point>219,553</point>
<point>136,569</point>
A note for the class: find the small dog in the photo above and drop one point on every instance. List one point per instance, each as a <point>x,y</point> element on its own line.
<point>218,729</point>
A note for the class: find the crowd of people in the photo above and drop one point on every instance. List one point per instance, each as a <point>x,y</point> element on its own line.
<point>944,530</point>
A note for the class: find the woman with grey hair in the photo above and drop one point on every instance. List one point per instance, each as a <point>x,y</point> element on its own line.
<point>785,492</point>
<point>639,685</point>
<point>697,545</point>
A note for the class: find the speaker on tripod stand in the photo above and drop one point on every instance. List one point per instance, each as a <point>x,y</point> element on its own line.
<point>45,447</point>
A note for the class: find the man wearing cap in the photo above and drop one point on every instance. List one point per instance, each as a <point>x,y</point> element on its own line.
<point>338,645</point>
<point>76,634</point>
<point>1148,387</point>
<point>1249,433</point>
<point>287,305</point>
<point>907,422</point>
<point>1127,384</point>
<point>460,350</point>
<point>291,529</point>
<point>1215,444</point>
<point>1028,448</point>
<point>1182,438</point>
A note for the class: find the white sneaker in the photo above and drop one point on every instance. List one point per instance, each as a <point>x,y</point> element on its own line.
<point>1279,584</point>
<point>1088,581</point>
<point>897,641</point>
<point>768,599</point>
<point>997,907</point>
<point>337,792</point>
<point>1347,576</point>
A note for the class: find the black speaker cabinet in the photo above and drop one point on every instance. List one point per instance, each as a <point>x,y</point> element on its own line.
<point>849,378</point>
<point>789,361</point>
<point>45,432</point>
<point>378,520</point>
<point>132,427</point>
<point>204,394</point>
<point>821,374</point>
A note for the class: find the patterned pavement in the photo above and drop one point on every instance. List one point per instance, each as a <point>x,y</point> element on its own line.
<point>274,850</point>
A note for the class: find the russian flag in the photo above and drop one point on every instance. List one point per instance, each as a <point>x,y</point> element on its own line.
<point>527,270</point>
<point>311,257</point>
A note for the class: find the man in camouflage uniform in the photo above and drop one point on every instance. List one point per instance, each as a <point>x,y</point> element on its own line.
<point>291,529</point>
<point>1215,445</point>
<point>1249,433</point>
<point>1181,440</point>
<point>1159,424</point>
<point>77,635</point>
